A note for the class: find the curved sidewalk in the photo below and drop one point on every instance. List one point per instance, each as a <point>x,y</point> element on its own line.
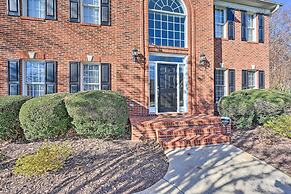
<point>219,169</point>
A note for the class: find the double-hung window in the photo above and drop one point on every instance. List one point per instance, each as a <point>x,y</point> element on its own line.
<point>90,11</point>
<point>220,20</point>
<point>39,78</point>
<point>251,23</point>
<point>33,8</point>
<point>219,82</point>
<point>89,76</point>
<point>248,79</point>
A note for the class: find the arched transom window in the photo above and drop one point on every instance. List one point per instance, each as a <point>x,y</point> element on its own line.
<point>167,23</point>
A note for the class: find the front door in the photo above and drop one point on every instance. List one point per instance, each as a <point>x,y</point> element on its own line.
<point>167,88</point>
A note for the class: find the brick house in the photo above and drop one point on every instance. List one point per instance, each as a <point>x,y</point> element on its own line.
<point>169,57</point>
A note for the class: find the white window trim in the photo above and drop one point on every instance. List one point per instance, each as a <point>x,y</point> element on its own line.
<point>24,83</point>
<point>82,75</point>
<point>90,5</point>
<point>154,110</point>
<point>224,35</point>
<point>254,28</point>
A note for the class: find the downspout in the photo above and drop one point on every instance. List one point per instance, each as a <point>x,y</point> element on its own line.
<point>142,34</point>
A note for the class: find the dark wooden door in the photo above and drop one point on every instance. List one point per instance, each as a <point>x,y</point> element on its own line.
<point>167,88</point>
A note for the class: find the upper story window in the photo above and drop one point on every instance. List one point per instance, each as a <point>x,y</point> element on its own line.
<point>220,20</point>
<point>90,11</point>
<point>33,8</point>
<point>248,26</point>
<point>251,27</point>
<point>167,23</point>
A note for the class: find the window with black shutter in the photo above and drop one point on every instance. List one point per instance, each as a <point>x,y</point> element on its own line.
<point>244,79</point>
<point>261,29</point>
<point>89,76</point>
<point>51,77</point>
<point>261,79</point>
<point>231,23</point>
<point>231,78</point>
<point>74,77</point>
<point>13,7</point>
<point>45,9</point>
<point>243,26</point>
<point>39,78</point>
<point>105,12</point>
<point>13,77</point>
<point>105,76</point>
<point>93,12</point>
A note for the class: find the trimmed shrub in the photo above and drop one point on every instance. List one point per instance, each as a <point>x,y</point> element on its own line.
<point>49,157</point>
<point>248,108</point>
<point>98,114</point>
<point>281,125</point>
<point>45,117</point>
<point>9,117</point>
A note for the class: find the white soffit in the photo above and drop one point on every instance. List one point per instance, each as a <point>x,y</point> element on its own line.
<point>256,6</point>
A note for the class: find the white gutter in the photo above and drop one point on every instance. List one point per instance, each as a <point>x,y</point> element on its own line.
<point>276,9</point>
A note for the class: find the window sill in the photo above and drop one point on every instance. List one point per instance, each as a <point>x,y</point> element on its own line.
<point>91,25</point>
<point>32,18</point>
<point>252,42</point>
<point>167,48</point>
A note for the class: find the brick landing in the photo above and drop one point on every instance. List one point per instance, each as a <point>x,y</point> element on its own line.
<point>179,131</point>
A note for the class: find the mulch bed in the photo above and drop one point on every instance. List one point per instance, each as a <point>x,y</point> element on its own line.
<point>266,145</point>
<point>96,166</point>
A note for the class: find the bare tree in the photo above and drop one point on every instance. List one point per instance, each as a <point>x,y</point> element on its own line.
<point>280,49</point>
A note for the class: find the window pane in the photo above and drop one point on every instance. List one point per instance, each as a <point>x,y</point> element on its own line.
<point>36,8</point>
<point>152,86</point>
<point>91,76</point>
<point>35,78</point>
<point>91,11</point>
<point>169,29</point>
<point>219,84</point>
<point>219,23</point>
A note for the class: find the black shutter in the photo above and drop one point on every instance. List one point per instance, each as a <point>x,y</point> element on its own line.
<point>261,29</point>
<point>261,79</point>
<point>50,9</point>
<point>13,77</point>
<point>105,12</point>
<point>13,8</point>
<point>244,79</point>
<point>75,10</point>
<point>105,76</point>
<point>231,23</point>
<point>243,26</point>
<point>231,78</point>
<point>51,77</point>
<point>74,77</point>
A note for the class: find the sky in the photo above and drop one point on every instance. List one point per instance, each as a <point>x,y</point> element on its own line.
<point>285,2</point>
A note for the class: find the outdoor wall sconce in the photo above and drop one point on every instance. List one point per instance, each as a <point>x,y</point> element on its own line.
<point>203,60</point>
<point>137,56</point>
<point>31,54</point>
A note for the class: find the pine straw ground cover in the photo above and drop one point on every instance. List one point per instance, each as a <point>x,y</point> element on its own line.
<point>266,145</point>
<point>96,166</point>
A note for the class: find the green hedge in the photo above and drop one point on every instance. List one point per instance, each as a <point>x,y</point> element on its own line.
<point>98,114</point>
<point>44,117</point>
<point>9,117</point>
<point>281,125</point>
<point>248,108</point>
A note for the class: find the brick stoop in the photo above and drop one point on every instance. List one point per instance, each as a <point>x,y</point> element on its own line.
<point>180,131</point>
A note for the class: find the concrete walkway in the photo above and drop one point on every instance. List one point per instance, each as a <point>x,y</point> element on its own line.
<point>219,169</point>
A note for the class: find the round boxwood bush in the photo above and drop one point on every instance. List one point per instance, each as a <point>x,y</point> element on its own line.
<point>44,117</point>
<point>98,114</point>
<point>9,117</point>
<point>248,108</point>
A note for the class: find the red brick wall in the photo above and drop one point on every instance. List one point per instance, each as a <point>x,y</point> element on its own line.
<point>64,41</point>
<point>241,55</point>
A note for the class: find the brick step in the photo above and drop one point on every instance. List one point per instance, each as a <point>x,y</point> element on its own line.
<point>199,140</point>
<point>165,124</point>
<point>190,131</point>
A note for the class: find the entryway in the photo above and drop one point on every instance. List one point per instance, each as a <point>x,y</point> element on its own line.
<point>168,84</point>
